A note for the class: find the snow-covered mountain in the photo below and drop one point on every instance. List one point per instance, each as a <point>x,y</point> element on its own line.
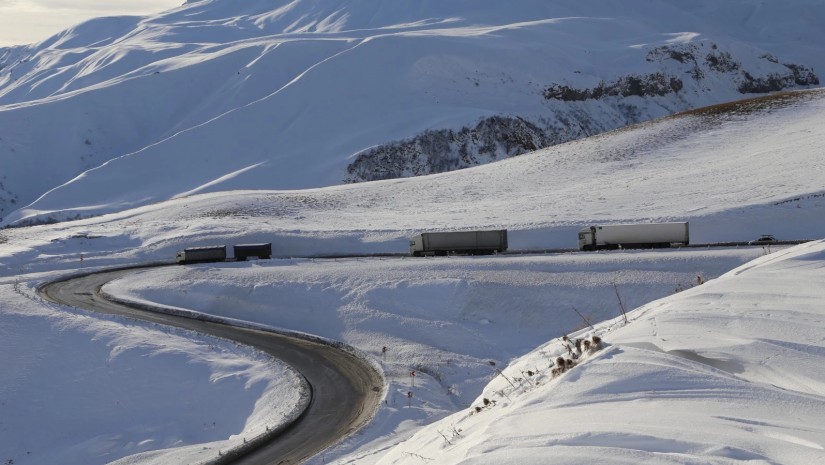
<point>221,94</point>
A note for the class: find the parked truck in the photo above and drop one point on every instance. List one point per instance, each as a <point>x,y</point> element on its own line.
<point>215,253</point>
<point>633,236</point>
<point>459,242</point>
<point>244,251</point>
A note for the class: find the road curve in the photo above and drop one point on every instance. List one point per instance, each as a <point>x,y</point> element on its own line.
<point>346,390</point>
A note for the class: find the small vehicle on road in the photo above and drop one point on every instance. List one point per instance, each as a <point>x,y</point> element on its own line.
<point>764,239</point>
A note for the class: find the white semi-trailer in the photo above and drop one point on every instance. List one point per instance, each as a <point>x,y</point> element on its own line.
<point>459,242</point>
<point>633,236</point>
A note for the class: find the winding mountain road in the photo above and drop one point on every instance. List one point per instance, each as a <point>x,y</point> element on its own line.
<point>346,390</point>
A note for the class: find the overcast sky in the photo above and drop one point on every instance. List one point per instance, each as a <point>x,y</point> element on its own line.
<point>29,21</point>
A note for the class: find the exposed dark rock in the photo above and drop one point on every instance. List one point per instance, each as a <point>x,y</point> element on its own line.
<point>438,151</point>
<point>649,85</point>
<point>721,62</point>
<point>660,84</point>
<point>685,54</point>
<point>803,76</point>
<point>763,85</point>
<point>796,76</point>
<point>770,58</point>
<point>567,93</point>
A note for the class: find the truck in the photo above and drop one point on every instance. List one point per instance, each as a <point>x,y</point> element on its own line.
<point>634,236</point>
<point>244,251</point>
<point>459,242</point>
<point>213,253</point>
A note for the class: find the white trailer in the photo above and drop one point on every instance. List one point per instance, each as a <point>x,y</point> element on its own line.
<point>633,236</point>
<point>459,242</point>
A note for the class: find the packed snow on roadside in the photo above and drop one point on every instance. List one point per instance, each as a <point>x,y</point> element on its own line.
<point>81,388</point>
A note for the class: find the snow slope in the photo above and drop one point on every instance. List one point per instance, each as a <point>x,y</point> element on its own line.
<point>728,372</point>
<point>734,172</point>
<point>121,112</point>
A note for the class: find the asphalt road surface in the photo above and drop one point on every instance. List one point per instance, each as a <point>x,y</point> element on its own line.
<point>345,389</point>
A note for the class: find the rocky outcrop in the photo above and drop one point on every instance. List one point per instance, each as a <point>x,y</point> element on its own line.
<point>697,63</point>
<point>443,150</point>
<point>775,82</point>
<point>654,84</point>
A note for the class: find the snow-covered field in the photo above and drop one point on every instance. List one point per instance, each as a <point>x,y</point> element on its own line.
<point>721,372</point>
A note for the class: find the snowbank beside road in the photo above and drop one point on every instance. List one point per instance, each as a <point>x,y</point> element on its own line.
<point>726,372</point>
<point>84,388</point>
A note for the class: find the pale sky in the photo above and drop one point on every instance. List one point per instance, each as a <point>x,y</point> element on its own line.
<point>28,21</point>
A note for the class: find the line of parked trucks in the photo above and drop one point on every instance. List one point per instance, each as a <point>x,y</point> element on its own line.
<point>596,237</point>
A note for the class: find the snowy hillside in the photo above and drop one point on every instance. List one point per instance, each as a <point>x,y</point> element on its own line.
<point>217,94</point>
<point>734,171</point>
<point>727,372</point>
